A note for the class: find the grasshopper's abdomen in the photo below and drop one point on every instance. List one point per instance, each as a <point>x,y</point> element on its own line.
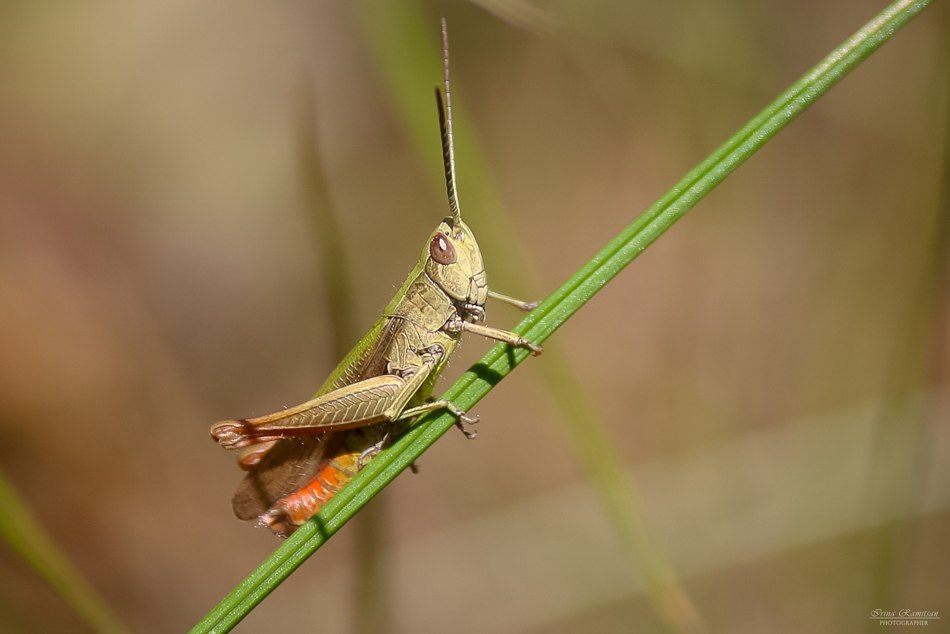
<point>299,458</point>
<point>301,505</point>
<point>337,467</point>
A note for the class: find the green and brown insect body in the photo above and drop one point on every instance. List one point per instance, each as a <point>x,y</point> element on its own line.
<point>299,457</point>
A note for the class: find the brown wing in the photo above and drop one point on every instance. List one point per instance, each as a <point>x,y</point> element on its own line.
<point>282,470</point>
<point>291,463</point>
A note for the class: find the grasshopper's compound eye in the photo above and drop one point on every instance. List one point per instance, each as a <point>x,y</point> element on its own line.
<point>441,250</point>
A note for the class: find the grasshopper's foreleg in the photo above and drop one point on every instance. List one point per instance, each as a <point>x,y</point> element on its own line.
<point>458,324</point>
<point>476,312</point>
<point>517,303</point>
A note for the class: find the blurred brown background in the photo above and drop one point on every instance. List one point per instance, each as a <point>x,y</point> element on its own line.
<point>772,371</point>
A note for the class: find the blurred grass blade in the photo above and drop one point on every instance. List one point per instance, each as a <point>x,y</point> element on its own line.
<point>906,424</point>
<point>556,310</point>
<point>25,535</point>
<point>370,607</point>
<point>405,48</point>
<point>327,234</point>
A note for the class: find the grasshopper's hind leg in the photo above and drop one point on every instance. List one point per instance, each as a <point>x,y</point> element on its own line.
<point>379,399</point>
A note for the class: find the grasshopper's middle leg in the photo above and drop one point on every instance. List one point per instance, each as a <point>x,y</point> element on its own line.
<point>461,418</point>
<point>513,301</point>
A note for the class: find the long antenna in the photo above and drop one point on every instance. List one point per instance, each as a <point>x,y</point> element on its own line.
<point>445,125</point>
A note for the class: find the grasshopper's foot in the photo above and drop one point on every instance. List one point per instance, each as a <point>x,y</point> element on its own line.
<point>465,422</point>
<point>371,453</point>
<point>470,434</point>
<point>414,468</point>
<point>535,349</point>
<point>462,420</point>
<point>278,521</point>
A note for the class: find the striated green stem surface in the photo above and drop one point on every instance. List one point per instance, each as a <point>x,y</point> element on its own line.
<point>24,534</point>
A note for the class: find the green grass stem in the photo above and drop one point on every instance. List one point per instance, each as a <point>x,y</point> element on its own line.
<point>20,529</point>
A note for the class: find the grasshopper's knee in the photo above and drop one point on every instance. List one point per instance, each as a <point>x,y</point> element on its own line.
<point>231,434</point>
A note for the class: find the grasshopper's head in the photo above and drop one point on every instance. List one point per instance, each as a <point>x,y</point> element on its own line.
<point>452,259</point>
<point>454,262</point>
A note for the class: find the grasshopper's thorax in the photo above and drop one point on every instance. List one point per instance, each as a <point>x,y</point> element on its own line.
<point>448,281</point>
<point>454,264</point>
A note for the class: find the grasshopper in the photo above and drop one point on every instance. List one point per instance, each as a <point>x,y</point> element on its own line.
<point>299,457</point>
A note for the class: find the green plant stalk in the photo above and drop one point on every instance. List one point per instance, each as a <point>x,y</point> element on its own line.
<point>26,536</point>
<point>557,309</point>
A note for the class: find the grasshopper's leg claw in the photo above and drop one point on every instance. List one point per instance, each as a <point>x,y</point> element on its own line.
<point>471,434</point>
<point>277,520</point>
<point>371,453</point>
<point>535,349</point>
<point>464,422</point>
